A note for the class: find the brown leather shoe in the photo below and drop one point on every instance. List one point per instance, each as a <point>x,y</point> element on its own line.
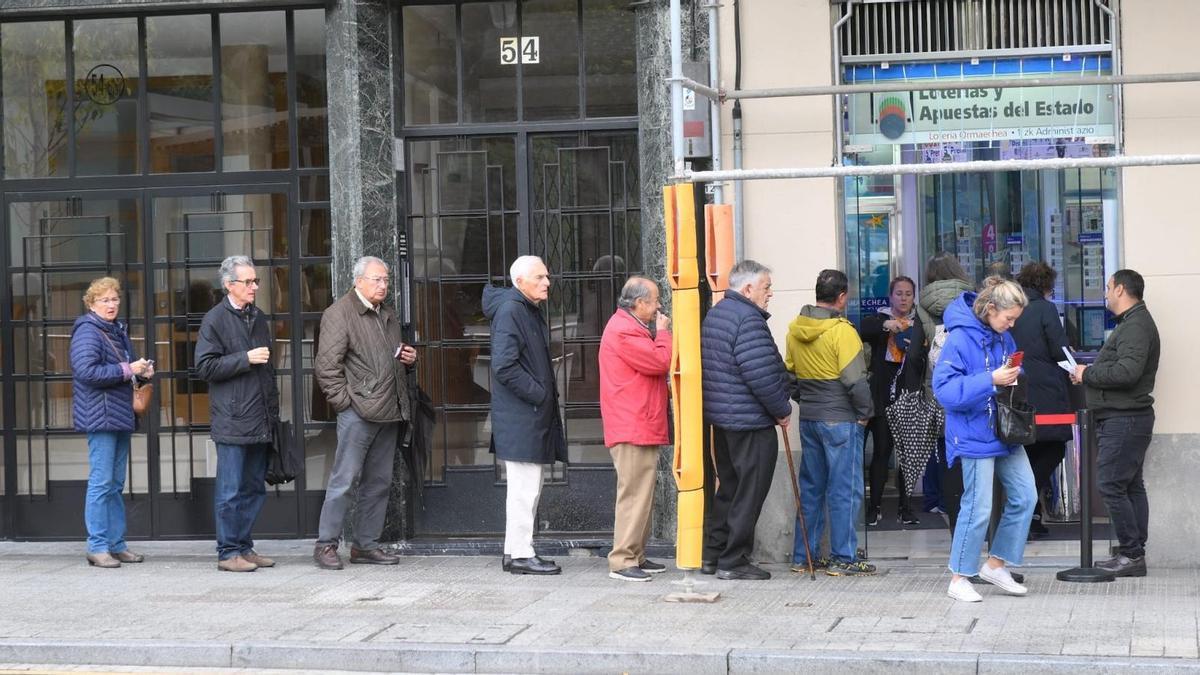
<point>260,560</point>
<point>236,564</point>
<point>128,556</point>
<point>326,557</point>
<point>375,556</point>
<point>103,560</point>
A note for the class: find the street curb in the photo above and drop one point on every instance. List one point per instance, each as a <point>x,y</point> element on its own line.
<point>439,658</point>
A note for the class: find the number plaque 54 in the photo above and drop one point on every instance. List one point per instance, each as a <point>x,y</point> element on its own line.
<point>514,50</point>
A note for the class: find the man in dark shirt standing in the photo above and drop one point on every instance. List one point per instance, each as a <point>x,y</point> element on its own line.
<point>1119,387</point>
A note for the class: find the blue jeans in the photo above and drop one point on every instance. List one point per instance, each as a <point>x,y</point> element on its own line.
<point>975,510</point>
<point>831,475</point>
<point>240,492</point>
<point>104,509</point>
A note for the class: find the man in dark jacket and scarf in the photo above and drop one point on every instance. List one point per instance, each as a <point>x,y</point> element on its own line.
<point>527,430</point>
<point>745,397</point>
<point>1119,385</point>
<point>233,356</point>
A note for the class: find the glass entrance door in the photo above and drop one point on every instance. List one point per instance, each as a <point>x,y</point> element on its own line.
<point>475,204</point>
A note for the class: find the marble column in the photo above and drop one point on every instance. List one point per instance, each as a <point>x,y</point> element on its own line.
<point>362,178</point>
<point>654,152</point>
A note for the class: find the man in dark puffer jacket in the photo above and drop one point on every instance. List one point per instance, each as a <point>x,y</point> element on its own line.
<point>745,395</point>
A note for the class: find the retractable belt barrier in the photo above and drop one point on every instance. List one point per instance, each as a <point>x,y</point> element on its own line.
<point>1085,440</point>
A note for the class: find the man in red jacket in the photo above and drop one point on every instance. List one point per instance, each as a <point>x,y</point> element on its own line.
<point>635,355</point>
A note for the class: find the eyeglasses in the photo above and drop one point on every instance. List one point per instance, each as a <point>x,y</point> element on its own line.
<point>378,280</point>
<point>246,282</point>
<point>109,301</point>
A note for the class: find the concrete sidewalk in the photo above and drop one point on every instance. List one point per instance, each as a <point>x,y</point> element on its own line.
<point>462,614</point>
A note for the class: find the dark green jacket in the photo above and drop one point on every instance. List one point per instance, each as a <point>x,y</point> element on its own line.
<point>1122,378</point>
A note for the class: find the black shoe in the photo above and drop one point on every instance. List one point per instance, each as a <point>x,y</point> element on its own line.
<point>872,515</point>
<point>1037,528</point>
<point>1016,576</point>
<point>708,567</point>
<point>744,573</point>
<point>1124,566</point>
<point>650,567</point>
<point>630,574</point>
<point>534,565</point>
<point>907,517</point>
<point>506,562</point>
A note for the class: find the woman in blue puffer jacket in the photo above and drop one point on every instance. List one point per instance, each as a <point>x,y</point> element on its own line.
<point>970,373</point>
<point>102,372</point>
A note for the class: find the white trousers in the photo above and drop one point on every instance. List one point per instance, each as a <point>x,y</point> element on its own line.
<point>521,504</point>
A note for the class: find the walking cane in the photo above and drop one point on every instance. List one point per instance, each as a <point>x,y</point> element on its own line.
<point>787,449</point>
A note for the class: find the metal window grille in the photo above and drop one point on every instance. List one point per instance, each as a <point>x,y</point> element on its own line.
<point>897,30</point>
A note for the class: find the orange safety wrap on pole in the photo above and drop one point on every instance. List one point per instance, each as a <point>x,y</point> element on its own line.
<point>718,248</point>
<point>687,402</point>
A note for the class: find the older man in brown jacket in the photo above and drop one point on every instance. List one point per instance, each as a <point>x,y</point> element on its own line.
<point>361,366</point>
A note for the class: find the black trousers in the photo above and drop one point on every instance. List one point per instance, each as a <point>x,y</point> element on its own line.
<point>1123,442</point>
<point>745,465</point>
<point>1044,458</point>
<point>881,441</point>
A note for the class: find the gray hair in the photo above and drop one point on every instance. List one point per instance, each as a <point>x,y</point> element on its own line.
<point>360,265</point>
<point>522,266</point>
<point>229,267</point>
<point>746,273</point>
<point>636,288</point>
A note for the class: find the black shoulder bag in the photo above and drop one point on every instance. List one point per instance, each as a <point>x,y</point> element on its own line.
<point>1015,423</point>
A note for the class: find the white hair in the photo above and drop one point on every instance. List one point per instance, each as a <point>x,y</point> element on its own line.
<point>228,271</point>
<point>745,273</point>
<point>522,266</point>
<point>360,265</point>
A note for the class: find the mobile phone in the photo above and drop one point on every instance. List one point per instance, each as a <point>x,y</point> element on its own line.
<point>1016,359</point>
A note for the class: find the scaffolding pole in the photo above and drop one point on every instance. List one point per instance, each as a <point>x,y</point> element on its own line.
<point>938,85</point>
<point>932,169</point>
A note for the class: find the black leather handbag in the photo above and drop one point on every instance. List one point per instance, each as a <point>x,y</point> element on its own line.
<point>1015,423</point>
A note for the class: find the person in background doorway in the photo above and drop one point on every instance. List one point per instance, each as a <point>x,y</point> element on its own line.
<point>745,390</point>
<point>362,367</point>
<point>1039,333</point>
<point>826,356</point>
<point>971,371</point>
<point>945,280</point>
<point>889,332</point>
<point>233,356</point>
<point>103,373</point>
<point>527,430</point>
<point>635,356</point>
<point>1120,388</point>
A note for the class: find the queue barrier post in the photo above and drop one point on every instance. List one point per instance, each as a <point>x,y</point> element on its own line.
<point>1086,441</point>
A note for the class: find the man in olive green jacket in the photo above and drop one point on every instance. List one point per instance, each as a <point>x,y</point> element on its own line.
<point>362,367</point>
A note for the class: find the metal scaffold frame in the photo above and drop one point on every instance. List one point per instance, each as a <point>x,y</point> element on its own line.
<point>719,95</point>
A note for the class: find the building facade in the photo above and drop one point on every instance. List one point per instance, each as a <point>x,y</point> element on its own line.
<point>150,138</point>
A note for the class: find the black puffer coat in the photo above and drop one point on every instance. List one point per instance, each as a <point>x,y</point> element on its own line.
<point>526,425</point>
<point>745,382</point>
<point>1040,334</point>
<point>243,400</point>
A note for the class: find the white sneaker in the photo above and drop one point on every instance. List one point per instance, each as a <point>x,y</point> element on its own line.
<point>999,576</point>
<point>961,590</point>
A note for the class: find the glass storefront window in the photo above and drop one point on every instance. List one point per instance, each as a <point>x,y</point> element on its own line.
<point>33,74</point>
<point>106,97</point>
<point>489,88</point>
<point>430,65</point>
<point>311,114</point>
<point>179,89</point>
<point>610,59</point>
<point>254,105</point>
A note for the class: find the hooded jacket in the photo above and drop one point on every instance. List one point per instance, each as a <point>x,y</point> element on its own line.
<point>526,425</point>
<point>962,382</point>
<point>826,355</point>
<point>744,381</point>
<point>633,382</point>
<point>935,298</point>
<point>102,395</point>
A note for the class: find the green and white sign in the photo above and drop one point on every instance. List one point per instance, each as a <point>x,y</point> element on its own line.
<point>979,112</point>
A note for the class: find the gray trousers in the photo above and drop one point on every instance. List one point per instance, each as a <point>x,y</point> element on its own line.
<point>365,450</point>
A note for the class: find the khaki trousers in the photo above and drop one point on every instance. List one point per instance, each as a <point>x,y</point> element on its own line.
<point>636,467</point>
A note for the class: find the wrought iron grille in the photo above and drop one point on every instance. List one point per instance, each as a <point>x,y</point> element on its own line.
<point>904,29</point>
